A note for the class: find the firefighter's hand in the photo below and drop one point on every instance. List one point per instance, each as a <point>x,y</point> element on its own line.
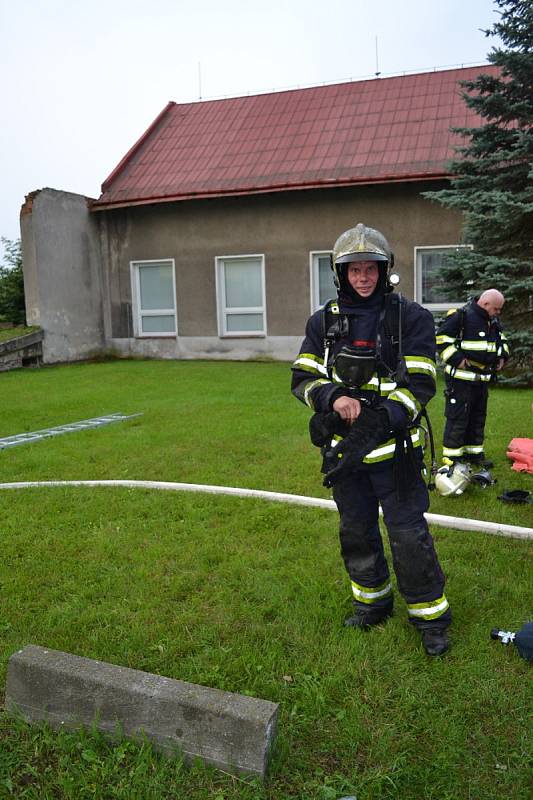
<point>499,365</point>
<point>348,408</point>
<point>463,364</point>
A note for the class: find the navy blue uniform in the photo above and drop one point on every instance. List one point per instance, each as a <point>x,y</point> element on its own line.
<point>359,491</point>
<point>468,333</point>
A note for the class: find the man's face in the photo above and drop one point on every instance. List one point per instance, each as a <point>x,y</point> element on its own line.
<point>493,306</point>
<point>363,277</point>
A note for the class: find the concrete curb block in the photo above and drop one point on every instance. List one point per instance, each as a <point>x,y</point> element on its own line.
<point>20,342</point>
<point>229,731</point>
<point>22,351</point>
<point>458,523</point>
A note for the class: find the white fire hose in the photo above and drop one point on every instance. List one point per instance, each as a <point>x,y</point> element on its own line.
<point>458,523</point>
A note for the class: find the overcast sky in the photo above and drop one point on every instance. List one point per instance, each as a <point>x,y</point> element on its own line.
<point>83,79</point>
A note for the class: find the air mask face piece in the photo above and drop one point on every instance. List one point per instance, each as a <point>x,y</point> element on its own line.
<point>355,365</point>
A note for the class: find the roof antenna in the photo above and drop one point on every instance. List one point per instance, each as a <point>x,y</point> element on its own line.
<point>377,72</point>
<point>199,81</point>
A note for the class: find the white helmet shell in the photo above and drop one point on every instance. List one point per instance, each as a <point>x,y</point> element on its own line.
<point>453,480</point>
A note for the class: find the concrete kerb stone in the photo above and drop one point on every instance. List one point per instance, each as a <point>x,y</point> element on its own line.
<point>229,731</point>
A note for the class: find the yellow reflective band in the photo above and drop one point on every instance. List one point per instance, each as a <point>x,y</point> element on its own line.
<point>309,388</point>
<point>475,449</point>
<point>372,386</point>
<point>369,594</point>
<point>387,450</point>
<point>479,344</point>
<point>406,398</point>
<point>442,339</point>
<point>421,364</point>
<point>312,357</point>
<point>448,352</point>
<point>310,363</point>
<point>431,610</point>
<point>464,375</point>
<point>452,452</point>
<point>375,383</point>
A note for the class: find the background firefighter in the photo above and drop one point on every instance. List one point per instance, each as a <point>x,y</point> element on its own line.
<point>473,348</point>
<point>350,363</point>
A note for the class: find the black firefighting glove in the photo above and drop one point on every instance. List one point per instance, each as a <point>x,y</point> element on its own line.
<point>371,428</point>
<point>323,426</point>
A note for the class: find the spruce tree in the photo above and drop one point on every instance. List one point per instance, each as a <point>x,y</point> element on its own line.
<point>492,183</point>
<point>12,307</point>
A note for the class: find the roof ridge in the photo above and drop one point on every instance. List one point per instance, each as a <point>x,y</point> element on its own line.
<point>329,84</point>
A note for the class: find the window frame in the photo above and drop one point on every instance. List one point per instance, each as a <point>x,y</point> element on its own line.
<point>223,311</point>
<point>138,313</point>
<point>314,280</point>
<point>417,278</point>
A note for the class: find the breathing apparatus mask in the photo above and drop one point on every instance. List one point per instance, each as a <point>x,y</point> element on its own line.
<point>355,365</point>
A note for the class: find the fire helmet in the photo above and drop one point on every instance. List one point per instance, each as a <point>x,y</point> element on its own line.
<point>361,244</point>
<point>452,480</point>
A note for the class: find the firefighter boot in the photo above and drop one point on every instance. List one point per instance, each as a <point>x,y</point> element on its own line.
<point>366,618</point>
<point>435,641</point>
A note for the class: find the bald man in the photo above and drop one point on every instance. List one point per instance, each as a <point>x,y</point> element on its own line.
<point>473,347</point>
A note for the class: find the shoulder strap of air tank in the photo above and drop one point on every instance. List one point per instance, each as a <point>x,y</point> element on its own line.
<point>462,312</point>
<point>393,318</point>
<point>330,330</point>
<point>329,314</point>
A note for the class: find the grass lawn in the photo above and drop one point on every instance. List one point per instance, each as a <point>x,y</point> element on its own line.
<point>248,596</point>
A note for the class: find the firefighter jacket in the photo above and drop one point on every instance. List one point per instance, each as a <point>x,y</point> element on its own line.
<point>470,333</point>
<point>316,383</point>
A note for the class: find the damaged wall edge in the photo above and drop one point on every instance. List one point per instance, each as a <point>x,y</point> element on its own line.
<point>62,273</point>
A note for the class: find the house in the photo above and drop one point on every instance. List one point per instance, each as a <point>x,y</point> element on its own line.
<point>211,238</point>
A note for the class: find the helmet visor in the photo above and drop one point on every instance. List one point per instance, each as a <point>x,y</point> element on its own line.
<point>360,257</point>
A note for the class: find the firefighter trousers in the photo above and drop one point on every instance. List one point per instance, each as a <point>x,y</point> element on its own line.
<point>419,575</point>
<point>466,412</point>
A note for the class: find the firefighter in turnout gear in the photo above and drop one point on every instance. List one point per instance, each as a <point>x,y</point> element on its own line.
<point>473,347</point>
<point>366,367</point>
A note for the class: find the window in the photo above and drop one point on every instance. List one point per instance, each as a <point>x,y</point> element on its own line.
<point>241,295</point>
<point>153,298</point>
<point>428,283</point>
<point>322,285</point>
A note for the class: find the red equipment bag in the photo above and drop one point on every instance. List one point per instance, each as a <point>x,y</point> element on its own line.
<point>520,451</point>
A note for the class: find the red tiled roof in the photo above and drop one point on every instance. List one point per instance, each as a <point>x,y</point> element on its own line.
<point>379,130</point>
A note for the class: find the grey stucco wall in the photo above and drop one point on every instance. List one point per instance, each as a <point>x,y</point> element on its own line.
<point>283,226</point>
<point>62,274</point>
<point>77,262</point>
